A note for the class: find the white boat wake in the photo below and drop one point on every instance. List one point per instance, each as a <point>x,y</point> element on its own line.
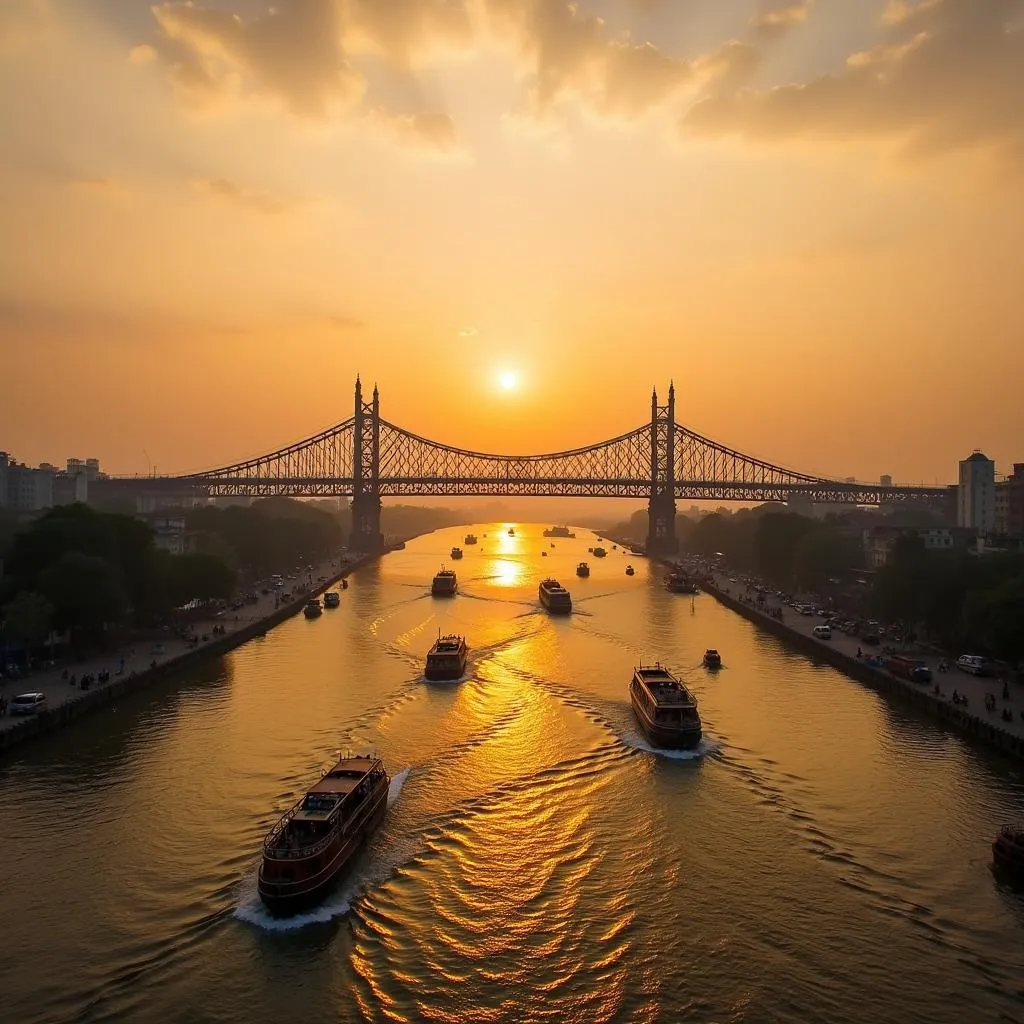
<point>703,749</point>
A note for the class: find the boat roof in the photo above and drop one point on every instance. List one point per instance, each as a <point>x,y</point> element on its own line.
<point>551,584</point>
<point>323,799</point>
<point>445,572</point>
<point>447,644</point>
<point>663,686</point>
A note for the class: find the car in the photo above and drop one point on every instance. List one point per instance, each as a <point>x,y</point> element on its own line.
<point>823,632</point>
<point>27,704</point>
<point>973,664</point>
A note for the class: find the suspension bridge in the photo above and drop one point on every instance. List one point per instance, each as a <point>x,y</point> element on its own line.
<point>368,458</point>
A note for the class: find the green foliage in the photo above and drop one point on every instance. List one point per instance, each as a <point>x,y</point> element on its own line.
<point>85,592</point>
<point>995,617</point>
<point>27,618</point>
<point>197,577</point>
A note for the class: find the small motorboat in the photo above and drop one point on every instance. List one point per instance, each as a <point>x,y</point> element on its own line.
<point>630,570</point>
<point>344,584</point>
<point>312,609</point>
<point>543,554</point>
<point>712,659</point>
<point>332,599</point>
<point>583,570</point>
<point>1008,851</point>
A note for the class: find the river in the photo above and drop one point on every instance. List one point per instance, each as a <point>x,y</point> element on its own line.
<point>825,856</point>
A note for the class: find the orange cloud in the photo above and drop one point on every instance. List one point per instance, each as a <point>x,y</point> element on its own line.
<point>949,74</point>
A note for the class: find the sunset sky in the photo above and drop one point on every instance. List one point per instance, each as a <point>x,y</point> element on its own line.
<point>810,215</point>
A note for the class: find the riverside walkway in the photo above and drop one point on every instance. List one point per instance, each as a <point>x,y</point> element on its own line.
<point>841,651</point>
<point>152,658</point>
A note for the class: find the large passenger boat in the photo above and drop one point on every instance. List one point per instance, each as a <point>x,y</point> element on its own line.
<point>678,582</point>
<point>332,599</point>
<point>559,531</point>
<point>310,847</point>
<point>447,658</point>
<point>470,539</point>
<point>555,597</point>
<point>583,570</point>
<point>445,584</point>
<point>665,708</point>
<point>1008,851</point>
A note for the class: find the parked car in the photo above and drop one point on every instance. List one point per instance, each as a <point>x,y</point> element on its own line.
<point>974,664</point>
<point>27,704</point>
<point>823,632</point>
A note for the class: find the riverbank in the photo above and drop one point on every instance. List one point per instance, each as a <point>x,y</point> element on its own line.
<point>66,703</point>
<point>972,719</point>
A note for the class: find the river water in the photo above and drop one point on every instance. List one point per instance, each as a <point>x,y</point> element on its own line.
<point>825,856</point>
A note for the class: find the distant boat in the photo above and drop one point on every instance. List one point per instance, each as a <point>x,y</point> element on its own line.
<point>559,531</point>
<point>332,599</point>
<point>679,583</point>
<point>511,532</point>
<point>599,552</point>
<point>344,584</point>
<point>629,570</point>
<point>543,554</point>
<point>447,658</point>
<point>456,553</point>
<point>445,583</point>
<point>582,570</point>
<point>312,609</point>
<point>470,539</point>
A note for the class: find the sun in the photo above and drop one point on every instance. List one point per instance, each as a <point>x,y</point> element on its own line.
<point>508,379</point>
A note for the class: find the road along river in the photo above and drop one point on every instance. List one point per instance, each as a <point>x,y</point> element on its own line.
<point>825,856</point>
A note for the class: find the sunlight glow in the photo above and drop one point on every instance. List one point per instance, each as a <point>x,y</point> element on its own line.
<point>508,379</point>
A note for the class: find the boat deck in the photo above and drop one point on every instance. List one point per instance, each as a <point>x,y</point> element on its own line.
<point>664,688</point>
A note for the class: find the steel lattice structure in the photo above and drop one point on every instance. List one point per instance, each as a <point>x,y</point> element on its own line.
<point>367,457</point>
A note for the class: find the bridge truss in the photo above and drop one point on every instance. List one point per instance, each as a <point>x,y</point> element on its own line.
<point>368,458</point>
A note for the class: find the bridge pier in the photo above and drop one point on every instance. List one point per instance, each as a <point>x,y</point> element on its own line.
<point>661,508</point>
<point>366,532</point>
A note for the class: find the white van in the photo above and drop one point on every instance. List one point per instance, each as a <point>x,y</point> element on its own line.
<point>973,664</point>
<point>823,632</point>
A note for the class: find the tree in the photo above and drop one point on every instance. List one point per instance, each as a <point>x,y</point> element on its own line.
<point>994,619</point>
<point>85,592</point>
<point>197,577</point>
<point>27,618</point>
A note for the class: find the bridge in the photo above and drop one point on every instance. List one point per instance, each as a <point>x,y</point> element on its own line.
<point>369,458</point>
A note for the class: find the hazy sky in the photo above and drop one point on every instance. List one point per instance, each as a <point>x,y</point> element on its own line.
<point>809,214</point>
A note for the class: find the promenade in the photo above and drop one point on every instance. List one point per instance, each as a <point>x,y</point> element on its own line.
<point>841,651</point>
<point>134,666</point>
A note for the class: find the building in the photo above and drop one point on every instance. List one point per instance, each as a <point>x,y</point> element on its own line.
<point>878,541</point>
<point>1009,504</point>
<point>90,467</point>
<point>22,488</point>
<point>886,480</point>
<point>170,532</point>
<point>976,508</point>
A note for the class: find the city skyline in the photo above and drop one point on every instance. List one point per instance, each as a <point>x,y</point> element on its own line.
<point>806,215</point>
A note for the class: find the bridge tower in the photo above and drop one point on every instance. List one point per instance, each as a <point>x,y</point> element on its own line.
<point>366,535</point>
<point>661,509</point>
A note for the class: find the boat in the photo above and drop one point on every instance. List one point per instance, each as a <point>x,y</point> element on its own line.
<point>511,532</point>
<point>665,708</point>
<point>679,583</point>
<point>332,599</point>
<point>630,570</point>
<point>543,554</point>
<point>583,570</point>
<point>312,844</point>
<point>1008,851</point>
<point>555,597</point>
<point>559,531</point>
<point>456,553</point>
<point>344,584</point>
<point>312,609</point>
<point>599,552</point>
<point>445,584</point>
<point>712,659</point>
<point>470,539</point>
<point>447,658</point>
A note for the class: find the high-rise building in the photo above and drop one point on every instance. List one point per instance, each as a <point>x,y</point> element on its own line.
<point>1009,504</point>
<point>886,480</point>
<point>976,496</point>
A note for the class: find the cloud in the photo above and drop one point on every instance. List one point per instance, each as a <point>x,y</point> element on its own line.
<point>293,54</point>
<point>572,53</point>
<point>259,200</point>
<point>404,31</point>
<point>345,323</point>
<point>432,130</point>
<point>778,16</point>
<point>947,75</point>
